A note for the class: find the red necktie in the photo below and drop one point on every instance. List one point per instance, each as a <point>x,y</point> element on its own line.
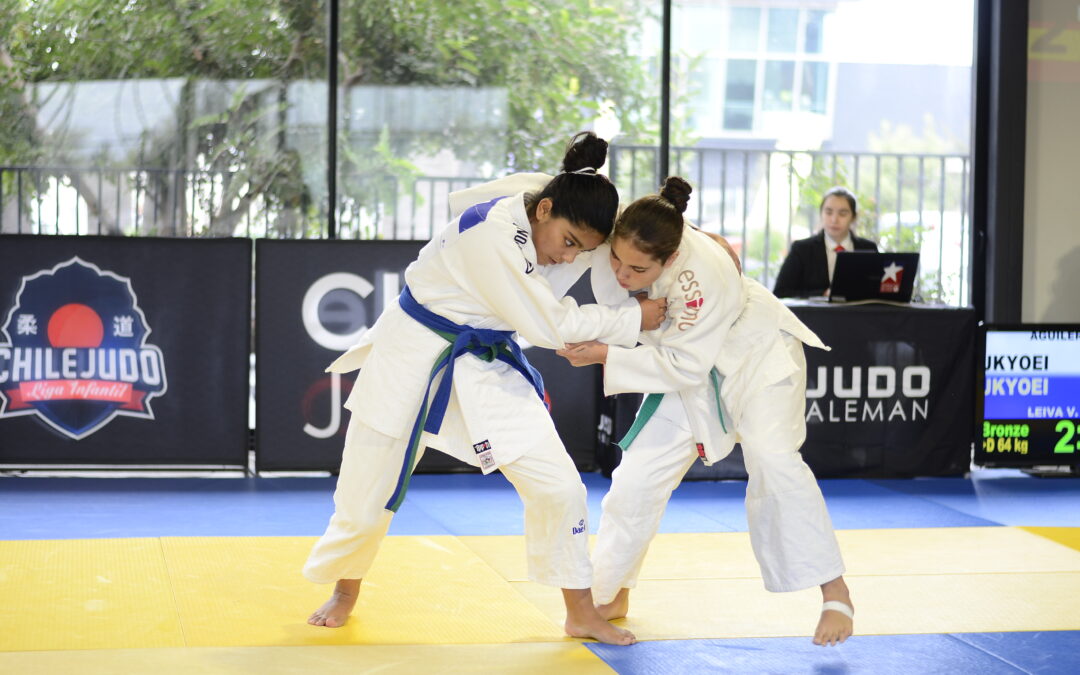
<point>838,248</point>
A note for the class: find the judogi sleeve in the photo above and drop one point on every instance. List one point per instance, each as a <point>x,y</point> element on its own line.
<point>688,347</point>
<point>487,264</point>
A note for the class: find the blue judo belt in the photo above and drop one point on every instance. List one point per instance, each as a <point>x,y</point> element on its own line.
<point>652,402</point>
<point>489,345</point>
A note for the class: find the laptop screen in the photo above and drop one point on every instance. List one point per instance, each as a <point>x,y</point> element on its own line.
<point>865,275</point>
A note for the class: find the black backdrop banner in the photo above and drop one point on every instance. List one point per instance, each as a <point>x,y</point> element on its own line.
<point>895,396</point>
<point>124,351</point>
<point>314,299</point>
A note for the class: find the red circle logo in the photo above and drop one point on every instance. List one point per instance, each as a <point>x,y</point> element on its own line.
<point>75,325</point>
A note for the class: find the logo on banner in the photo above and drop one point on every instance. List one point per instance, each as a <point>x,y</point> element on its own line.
<point>891,278</point>
<point>76,354</point>
<point>871,394</point>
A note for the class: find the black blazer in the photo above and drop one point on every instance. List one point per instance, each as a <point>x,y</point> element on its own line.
<point>805,272</point>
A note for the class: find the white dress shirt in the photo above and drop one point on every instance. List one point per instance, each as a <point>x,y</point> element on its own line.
<point>830,250</point>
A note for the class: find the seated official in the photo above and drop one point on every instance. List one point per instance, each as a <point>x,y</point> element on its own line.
<point>808,269</point>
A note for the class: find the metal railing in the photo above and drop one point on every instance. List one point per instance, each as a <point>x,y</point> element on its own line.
<point>760,199</point>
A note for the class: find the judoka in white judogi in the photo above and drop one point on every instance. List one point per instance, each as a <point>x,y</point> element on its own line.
<point>482,272</point>
<point>730,366</point>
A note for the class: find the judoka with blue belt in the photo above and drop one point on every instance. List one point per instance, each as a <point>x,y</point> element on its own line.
<point>441,369</point>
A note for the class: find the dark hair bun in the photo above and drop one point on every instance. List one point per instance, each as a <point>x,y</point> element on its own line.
<point>677,191</point>
<point>586,150</point>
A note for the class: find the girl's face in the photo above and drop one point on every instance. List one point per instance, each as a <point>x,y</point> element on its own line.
<point>836,217</point>
<point>634,269</point>
<point>557,240</point>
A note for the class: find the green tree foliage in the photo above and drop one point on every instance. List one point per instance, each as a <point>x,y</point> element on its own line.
<point>557,62</point>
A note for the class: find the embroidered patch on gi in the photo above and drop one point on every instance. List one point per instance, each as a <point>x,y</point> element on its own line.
<point>484,454</point>
<point>580,527</point>
<point>700,450</point>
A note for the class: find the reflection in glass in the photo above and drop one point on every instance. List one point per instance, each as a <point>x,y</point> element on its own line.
<point>783,30</point>
<point>739,95</point>
<point>815,87</point>
<point>743,36</point>
<point>779,83</point>
<point>815,20</point>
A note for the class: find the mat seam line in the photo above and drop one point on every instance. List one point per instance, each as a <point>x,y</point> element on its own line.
<point>954,636</point>
<point>935,503</point>
<point>510,583</point>
<point>172,591</point>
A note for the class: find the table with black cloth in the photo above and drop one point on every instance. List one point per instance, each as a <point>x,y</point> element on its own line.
<point>894,398</point>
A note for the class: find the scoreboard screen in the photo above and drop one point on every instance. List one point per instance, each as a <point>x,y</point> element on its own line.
<point>1030,402</point>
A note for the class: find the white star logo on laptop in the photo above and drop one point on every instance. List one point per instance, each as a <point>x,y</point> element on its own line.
<point>892,271</point>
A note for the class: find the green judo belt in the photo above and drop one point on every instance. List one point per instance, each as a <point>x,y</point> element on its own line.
<point>652,402</point>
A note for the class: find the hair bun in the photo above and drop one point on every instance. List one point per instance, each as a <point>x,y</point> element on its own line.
<point>586,150</point>
<point>677,191</point>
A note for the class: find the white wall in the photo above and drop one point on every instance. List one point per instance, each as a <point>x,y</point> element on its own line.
<point>1051,274</point>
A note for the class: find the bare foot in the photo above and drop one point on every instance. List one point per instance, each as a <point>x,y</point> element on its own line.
<point>335,611</point>
<point>834,626</point>
<point>583,621</point>
<point>617,608</point>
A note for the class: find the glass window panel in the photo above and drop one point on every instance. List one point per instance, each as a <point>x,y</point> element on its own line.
<point>694,29</point>
<point>815,24</point>
<point>744,29</point>
<point>739,94</point>
<point>437,96</point>
<point>815,87</point>
<point>149,127</point>
<point>783,30</point>
<point>779,85</point>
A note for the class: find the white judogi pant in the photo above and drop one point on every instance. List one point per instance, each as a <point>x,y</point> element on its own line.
<point>556,514</point>
<point>790,529</point>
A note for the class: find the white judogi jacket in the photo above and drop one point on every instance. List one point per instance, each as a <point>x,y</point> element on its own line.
<point>480,271</point>
<point>717,318</point>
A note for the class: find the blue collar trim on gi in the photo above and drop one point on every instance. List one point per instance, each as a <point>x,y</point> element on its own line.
<point>474,215</point>
<point>484,343</point>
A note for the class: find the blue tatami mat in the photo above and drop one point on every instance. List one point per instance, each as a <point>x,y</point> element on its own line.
<point>853,504</point>
<point>985,653</point>
<point>78,508</point>
<point>1001,496</point>
<point>472,504</point>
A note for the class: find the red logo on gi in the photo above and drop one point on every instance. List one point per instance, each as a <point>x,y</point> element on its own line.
<point>696,304</point>
<point>892,278</point>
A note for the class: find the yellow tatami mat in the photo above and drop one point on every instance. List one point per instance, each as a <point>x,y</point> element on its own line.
<point>541,658</point>
<point>86,594</point>
<point>442,590</point>
<point>727,555</point>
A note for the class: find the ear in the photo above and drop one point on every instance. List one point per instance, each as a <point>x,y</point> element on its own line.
<point>543,208</point>
<point>671,259</point>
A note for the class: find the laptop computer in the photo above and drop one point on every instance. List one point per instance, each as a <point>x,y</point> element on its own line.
<point>865,275</point>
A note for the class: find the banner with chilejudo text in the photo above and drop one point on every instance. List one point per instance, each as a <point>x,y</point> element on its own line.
<point>122,351</point>
<point>314,300</point>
